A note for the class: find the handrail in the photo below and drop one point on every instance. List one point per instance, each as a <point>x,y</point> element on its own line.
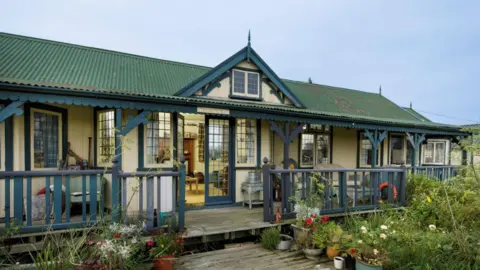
<point>336,170</point>
<point>5,174</point>
<point>148,174</point>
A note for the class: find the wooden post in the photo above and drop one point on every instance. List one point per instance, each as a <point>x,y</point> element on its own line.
<point>181,197</point>
<point>403,186</point>
<point>267,192</point>
<point>115,190</point>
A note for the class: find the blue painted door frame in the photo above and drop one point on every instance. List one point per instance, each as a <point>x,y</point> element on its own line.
<point>230,197</point>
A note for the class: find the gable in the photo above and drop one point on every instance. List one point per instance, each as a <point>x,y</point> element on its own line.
<point>271,88</point>
<point>222,86</point>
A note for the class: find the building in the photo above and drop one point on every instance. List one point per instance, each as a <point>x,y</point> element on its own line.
<point>65,102</point>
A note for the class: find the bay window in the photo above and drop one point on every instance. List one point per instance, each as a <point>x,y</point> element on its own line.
<point>315,145</point>
<point>246,130</point>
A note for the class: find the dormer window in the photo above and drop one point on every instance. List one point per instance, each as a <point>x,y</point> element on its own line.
<point>246,84</point>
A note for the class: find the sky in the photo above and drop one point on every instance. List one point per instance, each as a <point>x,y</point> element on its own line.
<point>424,52</point>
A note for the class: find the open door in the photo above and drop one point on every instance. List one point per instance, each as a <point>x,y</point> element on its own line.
<point>219,161</point>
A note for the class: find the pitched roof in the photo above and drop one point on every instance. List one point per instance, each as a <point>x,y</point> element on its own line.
<point>38,62</point>
<point>416,114</point>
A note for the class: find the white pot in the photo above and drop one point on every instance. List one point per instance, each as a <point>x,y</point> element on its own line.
<point>338,262</point>
<point>285,243</point>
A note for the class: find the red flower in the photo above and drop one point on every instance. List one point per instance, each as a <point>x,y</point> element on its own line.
<point>313,215</point>
<point>352,251</point>
<point>326,218</point>
<point>116,236</point>
<point>309,221</point>
<point>149,243</point>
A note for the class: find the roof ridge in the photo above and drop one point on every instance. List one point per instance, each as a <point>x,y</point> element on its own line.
<point>91,48</point>
<point>330,86</point>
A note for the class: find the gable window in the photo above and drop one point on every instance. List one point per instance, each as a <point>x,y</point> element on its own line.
<point>366,152</point>
<point>246,137</point>
<point>105,137</point>
<point>315,145</point>
<point>246,83</point>
<point>46,130</point>
<point>158,139</point>
<point>434,152</point>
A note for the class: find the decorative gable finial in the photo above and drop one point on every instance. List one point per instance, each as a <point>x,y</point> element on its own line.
<point>310,80</point>
<point>248,46</point>
<point>411,105</point>
<point>380,90</point>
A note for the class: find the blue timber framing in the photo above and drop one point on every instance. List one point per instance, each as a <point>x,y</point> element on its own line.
<point>215,83</point>
<point>415,140</point>
<point>231,62</point>
<point>134,121</point>
<point>376,138</point>
<point>11,109</point>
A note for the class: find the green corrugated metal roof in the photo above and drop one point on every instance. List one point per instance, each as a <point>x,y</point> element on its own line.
<point>38,62</point>
<point>416,114</point>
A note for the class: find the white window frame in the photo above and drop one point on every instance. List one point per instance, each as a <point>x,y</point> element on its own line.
<point>167,164</point>
<point>245,90</point>
<point>97,118</point>
<point>246,164</point>
<point>434,142</point>
<point>315,131</point>
<point>32,136</point>
<point>379,157</point>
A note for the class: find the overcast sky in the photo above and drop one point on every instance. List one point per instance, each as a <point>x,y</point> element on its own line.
<point>427,52</point>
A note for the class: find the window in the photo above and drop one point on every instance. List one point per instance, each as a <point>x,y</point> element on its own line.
<point>246,136</point>
<point>2,146</point>
<point>246,84</point>
<point>105,137</point>
<point>46,129</point>
<point>434,152</point>
<point>158,140</point>
<point>397,150</point>
<point>315,145</point>
<point>366,152</point>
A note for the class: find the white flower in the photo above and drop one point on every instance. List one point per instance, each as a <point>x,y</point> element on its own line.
<point>391,222</point>
<point>432,227</point>
<point>363,229</point>
<point>134,240</point>
<point>383,227</point>
<point>383,236</point>
<point>360,241</point>
<point>393,232</point>
<point>375,251</point>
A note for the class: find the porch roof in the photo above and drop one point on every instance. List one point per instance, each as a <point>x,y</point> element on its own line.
<point>45,64</point>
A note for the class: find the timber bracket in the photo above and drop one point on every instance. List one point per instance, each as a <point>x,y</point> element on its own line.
<point>11,109</point>
<point>141,118</point>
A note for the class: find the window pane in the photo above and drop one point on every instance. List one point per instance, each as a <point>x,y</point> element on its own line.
<point>253,83</point>
<point>397,150</point>
<point>246,132</point>
<point>366,153</point>
<point>106,136</point>
<point>323,149</point>
<point>428,153</point>
<point>307,149</point>
<point>158,138</point>
<point>410,152</point>
<point>238,82</point>
<point>45,140</point>
<point>440,152</point>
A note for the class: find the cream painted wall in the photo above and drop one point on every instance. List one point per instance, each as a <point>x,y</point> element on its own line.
<point>344,150</point>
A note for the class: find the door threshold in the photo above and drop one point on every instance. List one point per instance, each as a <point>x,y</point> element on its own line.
<point>213,206</point>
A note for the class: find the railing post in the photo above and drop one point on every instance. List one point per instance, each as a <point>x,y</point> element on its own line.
<point>403,186</point>
<point>267,191</point>
<point>115,191</point>
<point>181,197</point>
<point>342,185</point>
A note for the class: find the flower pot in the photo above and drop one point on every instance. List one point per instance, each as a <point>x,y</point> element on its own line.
<point>349,262</point>
<point>312,254</point>
<point>299,232</point>
<point>332,252</point>
<point>285,242</point>
<point>164,262</point>
<point>338,262</point>
<point>359,265</point>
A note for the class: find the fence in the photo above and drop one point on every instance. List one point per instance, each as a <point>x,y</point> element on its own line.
<point>438,173</point>
<point>50,207</point>
<point>344,190</point>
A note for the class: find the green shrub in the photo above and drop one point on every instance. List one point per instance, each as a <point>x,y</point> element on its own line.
<point>270,238</point>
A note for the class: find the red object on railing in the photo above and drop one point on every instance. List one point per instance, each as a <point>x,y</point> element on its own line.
<point>385,185</point>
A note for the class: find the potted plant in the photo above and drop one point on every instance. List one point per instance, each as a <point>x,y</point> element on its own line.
<point>335,233</point>
<point>270,238</point>
<point>311,250</point>
<point>369,248</point>
<point>163,249</point>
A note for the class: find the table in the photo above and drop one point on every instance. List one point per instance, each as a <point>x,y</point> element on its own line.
<point>249,189</point>
<point>190,180</point>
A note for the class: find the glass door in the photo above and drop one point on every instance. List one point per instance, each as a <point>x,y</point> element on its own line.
<point>218,161</point>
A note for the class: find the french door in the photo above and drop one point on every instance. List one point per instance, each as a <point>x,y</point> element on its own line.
<point>219,160</point>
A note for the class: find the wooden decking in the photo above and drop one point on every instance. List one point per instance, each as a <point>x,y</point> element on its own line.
<point>249,256</point>
<point>208,222</point>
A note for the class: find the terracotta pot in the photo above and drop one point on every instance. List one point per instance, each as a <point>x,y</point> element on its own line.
<point>332,252</point>
<point>164,262</point>
<point>359,265</point>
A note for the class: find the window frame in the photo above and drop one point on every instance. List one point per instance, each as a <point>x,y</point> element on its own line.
<point>168,164</point>
<point>390,149</point>
<point>255,144</point>
<point>2,142</point>
<point>245,94</point>
<point>98,162</point>
<point>434,142</point>
<point>32,137</point>
<point>310,129</point>
<point>359,152</point>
